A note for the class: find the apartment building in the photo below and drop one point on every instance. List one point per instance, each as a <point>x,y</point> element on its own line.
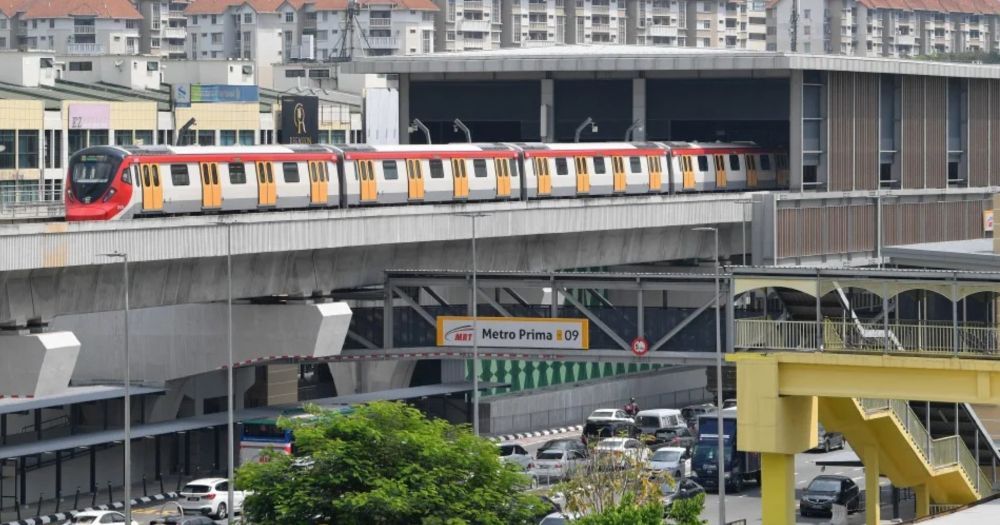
<point>164,28</point>
<point>78,27</point>
<point>381,27</point>
<point>886,28</point>
<point>467,25</point>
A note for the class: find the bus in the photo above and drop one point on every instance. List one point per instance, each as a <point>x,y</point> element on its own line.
<point>264,433</point>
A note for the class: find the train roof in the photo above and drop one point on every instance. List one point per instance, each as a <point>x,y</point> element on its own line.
<point>433,148</point>
<point>163,149</point>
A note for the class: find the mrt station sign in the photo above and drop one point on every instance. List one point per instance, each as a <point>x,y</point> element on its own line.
<point>514,332</point>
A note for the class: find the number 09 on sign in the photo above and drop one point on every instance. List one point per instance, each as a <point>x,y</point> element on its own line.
<point>514,332</point>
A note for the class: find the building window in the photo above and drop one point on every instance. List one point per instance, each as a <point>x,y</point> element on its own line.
<point>8,154</point>
<point>807,14</point>
<point>247,18</point>
<point>81,66</point>
<point>53,148</point>
<point>290,16</point>
<point>319,73</point>
<point>98,137</point>
<point>77,140</point>
<point>214,20</point>
<point>246,137</point>
<point>295,73</point>
<point>227,137</point>
<point>206,137</point>
<point>27,149</point>
<point>143,136</point>
<point>123,137</point>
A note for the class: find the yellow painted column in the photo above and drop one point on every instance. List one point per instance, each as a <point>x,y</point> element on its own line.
<point>873,504</point>
<point>777,491</point>
<point>923,497</point>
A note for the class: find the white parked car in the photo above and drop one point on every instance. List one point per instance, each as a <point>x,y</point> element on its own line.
<point>674,460</point>
<point>515,454</point>
<point>555,464</point>
<point>98,517</point>
<point>609,414</point>
<point>209,496</point>
<point>625,449</point>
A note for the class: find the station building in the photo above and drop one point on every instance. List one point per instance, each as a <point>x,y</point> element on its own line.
<point>53,106</point>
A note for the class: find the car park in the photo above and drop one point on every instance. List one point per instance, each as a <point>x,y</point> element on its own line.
<point>514,454</point>
<point>98,517</point>
<point>552,464</point>
<point>682,489</point>
<point>209,496</point>
<point>825,491</point>
<point>675,461</point>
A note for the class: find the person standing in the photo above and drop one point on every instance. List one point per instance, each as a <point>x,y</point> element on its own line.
<point>632,408</point>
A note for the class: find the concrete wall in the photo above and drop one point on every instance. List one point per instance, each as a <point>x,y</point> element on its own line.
<point>570,405</point>
<point>179,341</point>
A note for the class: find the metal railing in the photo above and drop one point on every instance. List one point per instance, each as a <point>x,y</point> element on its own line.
<point>31,203</point>
<point>942,452</point>
<point>842,335</point>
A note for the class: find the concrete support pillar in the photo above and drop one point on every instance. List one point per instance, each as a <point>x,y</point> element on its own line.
<point>777,488</point>
<point>795,131</point>
<point>923,497</point>
<point>38,364</point>
<point>639,107</point>
<point>404,109</point>
<point>547,129</point>
<point>873,505</point>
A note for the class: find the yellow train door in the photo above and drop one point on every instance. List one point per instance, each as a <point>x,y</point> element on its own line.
<point>317,193</point>
<point>369,189</point>
<point>687,167</point>
<point>720,171</point>
<point>502,167</point>
<point>655,173</point>
<point>751,164</point>
<point>460,181</point>
<point>582,177</point>
<point>211,191</point>
<point>152,188</point>
<point>543,175</point>
<point>415,180</point>
<point>265,184</point>
<point>618,168</point>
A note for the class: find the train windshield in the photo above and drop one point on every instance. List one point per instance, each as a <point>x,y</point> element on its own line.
<point>91,175</point>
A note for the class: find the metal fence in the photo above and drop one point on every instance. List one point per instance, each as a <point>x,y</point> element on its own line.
<point>859,336</point>
<point>31,203</point>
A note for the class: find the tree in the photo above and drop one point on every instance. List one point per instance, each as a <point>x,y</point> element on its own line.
<point>687,511</point>
<point>385,464</point>
<point>626,513</point>
<point>607,480</point>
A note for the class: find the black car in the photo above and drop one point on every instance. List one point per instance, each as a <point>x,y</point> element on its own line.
<point>683,489</point>
<point>676,437</point>
<point>691,413</point>
<point>827,441</point>
<point>183,520</point>
<point>564,444</point>
<point>824,491</point>
<point>605,429</point>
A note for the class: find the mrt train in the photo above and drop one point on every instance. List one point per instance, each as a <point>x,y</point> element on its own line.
<point>124,182</point>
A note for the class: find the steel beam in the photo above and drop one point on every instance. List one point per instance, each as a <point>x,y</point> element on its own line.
<point>681,325</point>
<point>361,340</point>
<point>492,302</point>
<point>412,303</point>
<point>594,319</point>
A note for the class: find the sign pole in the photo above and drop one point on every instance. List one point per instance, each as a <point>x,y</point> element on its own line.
<point>475,335</point>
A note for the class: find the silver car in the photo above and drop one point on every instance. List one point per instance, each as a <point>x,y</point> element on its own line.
<point>515,454</point>
<point>553,465</point>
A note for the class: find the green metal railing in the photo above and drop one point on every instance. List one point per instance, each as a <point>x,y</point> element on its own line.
<point>938,453</point>
<point>844,335</point>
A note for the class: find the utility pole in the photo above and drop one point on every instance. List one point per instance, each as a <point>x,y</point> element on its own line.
<point>794,26</point>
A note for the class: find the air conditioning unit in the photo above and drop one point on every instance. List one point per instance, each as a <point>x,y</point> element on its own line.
<point>308,47</point>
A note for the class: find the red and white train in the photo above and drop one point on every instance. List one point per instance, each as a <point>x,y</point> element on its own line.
<point>123,182</point>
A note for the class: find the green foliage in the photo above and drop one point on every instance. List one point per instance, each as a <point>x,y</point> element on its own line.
<point>974,57</point>
<point>386,464</point>
<point>687,511</point>
<point>627,513</point>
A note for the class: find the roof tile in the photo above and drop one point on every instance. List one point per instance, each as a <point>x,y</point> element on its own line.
<point>32,9</point>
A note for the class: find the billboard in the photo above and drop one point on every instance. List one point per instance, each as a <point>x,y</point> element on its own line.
<point>187,94</point>
<point>299,120</point>
<point>89,116</point>
<point>988,221</point>
<point>514,332</point>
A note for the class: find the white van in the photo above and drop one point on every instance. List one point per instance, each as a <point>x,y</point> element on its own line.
<point>649,421</point>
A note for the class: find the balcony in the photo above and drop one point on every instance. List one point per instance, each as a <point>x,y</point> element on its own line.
<point>539,26</point>
<point>905,40</point>
<point>472,5</point>
<point>383,42</point>
<point>177,14</point>
<point>538,7</point>
<point>662,31</point>
<point>84,30</point>
<point>474,26</point>
<point>174,33</point>
<point>380,22</point>
<point>85,49</point>
<point>600,28</point>
<point>600,9</point>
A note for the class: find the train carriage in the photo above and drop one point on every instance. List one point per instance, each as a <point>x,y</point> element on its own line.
<point>718,166</point>
<point>592,169</point>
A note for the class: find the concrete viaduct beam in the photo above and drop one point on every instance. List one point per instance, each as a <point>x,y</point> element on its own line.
<point>37,364</point>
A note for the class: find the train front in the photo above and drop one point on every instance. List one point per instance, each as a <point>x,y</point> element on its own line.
<point>98,184</point>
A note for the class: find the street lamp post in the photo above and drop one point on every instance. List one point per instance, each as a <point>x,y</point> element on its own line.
<point>720,433</point>
<point>230,419</point>
<point>475,326</point>
<point>128,394</point>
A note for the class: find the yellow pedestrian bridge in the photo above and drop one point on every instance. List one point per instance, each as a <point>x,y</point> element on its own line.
<point>855,370</point>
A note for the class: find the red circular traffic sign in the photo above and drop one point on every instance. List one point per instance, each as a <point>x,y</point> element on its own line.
<point>640,346</point>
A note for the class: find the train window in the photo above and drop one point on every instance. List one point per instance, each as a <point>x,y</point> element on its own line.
<point>734,162</point>
<point>324,174</point>
<point>702,163</point>
<point>765,162</point>
<point>479,167</point>
<point>635,164</point>
<point>599,167</point>
<point>437,169</point>
<point>145,176</point>
<point>215,173</point>
<point>237,173</point>
<point>179,175</point>
<point>562,167</point>
<point>389,170</point>
<point>270,172</point>
<point>290,171</point>
<point>156,175</point>
<point>513,168</point>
